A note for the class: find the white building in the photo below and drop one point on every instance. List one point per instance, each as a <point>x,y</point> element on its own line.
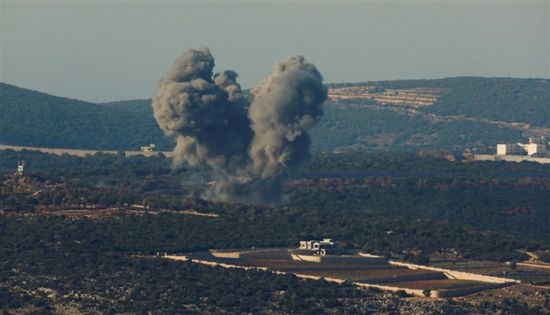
<point>20,168</point>
<point>535,147</point>
<point>510,149</point>
<point>321,248</point>
<point>148,148</point>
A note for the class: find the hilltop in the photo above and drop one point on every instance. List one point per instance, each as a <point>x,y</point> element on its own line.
<point>33,118</point>
<point>405,115</point>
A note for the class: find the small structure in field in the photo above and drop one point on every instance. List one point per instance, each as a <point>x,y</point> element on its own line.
<point>148,148</point>
<point>20,168</point>
<point>323,247</point>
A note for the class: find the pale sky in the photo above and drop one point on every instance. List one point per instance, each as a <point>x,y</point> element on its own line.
<point>114,50</point>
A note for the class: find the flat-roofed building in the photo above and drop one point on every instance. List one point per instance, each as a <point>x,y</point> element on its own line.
<point>148,148</point>
<point>322,247</point>
<point>510,149</point>
<point>536,147</point>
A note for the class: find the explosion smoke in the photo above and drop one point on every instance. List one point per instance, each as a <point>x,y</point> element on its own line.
<point>251,145</point>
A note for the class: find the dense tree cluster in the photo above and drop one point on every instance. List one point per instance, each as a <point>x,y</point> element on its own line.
<point>121,283</point>
<point>428,205</point>
<point>105,265</point>
<point>366,128</point>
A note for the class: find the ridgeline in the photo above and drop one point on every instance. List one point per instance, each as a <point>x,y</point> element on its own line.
<point>407,115</point>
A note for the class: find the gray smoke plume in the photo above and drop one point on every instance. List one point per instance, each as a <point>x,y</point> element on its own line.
<point>251,145</point>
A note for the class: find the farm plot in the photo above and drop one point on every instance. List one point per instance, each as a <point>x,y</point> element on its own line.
<point>526,274</point>
<point>356,269</point>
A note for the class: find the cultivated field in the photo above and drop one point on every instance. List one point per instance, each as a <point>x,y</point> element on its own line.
<point>362,271</point>
<point>525,273</point>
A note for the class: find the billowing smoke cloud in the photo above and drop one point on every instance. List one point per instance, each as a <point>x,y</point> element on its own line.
<point>251,144</point>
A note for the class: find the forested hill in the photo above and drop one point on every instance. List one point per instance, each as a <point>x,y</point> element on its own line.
<point>32,118</point>
<point>444,114</point>
<point>406,115</point>
<point>502,99</point>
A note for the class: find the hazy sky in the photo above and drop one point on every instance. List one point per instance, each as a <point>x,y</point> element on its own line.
<point>113,50</point>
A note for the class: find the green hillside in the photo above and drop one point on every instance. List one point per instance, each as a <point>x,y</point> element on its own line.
<point>368,129</point>
<point>31,118</point>
<point>504,99</point>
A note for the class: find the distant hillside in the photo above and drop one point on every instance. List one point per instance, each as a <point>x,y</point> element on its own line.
<point>448,114</point>
<point>32,118</point>
<point>405,115</point>
<point>503,99</point>
<point>382,129</point>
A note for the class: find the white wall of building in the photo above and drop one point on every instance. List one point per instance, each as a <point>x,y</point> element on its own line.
<point>531,149</point>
